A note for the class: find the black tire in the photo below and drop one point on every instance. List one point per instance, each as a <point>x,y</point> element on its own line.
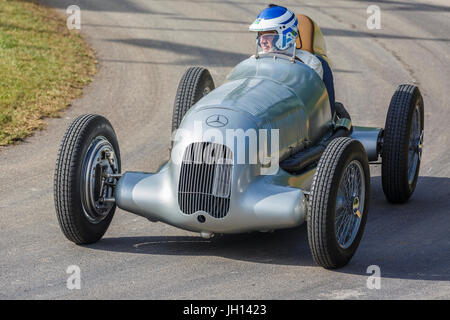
<point>195,83</point>
<point>398,183</point>
<point>77,143</point>
<point>340,154</point>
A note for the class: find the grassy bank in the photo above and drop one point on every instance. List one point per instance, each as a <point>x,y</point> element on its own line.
<point>43,66</point>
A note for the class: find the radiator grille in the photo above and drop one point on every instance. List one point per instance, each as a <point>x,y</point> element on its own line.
<point>205,179</point>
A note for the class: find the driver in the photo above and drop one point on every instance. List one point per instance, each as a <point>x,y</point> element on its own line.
<point>277,29</point>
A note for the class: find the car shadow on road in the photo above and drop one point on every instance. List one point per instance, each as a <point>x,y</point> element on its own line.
<point>409,241</point>
<point>333,32</point>
<point>123,6</point>
<point>200,55</point>
<point>408,5</point>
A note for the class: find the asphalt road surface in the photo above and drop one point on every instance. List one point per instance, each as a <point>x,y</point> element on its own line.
<point>143,48</point>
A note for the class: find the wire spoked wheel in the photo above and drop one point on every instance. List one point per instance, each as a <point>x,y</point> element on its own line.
<point>415,145</point>
<point>338,203</point>
<point>349,204</point>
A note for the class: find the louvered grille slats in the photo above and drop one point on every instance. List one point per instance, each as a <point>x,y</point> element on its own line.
<point>205,179</point>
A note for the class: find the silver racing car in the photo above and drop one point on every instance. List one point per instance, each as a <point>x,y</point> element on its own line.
<point>263,151</point>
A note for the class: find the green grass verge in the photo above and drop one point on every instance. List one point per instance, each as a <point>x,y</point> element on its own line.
<point>43,67</point>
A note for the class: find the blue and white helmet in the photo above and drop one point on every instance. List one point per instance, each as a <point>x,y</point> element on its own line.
<point>281,20</point>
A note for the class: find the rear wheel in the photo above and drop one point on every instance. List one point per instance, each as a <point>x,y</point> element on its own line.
<point>402,144</point>
<point>89,152</point>
<point>338,203</point>
<point>195,83</point>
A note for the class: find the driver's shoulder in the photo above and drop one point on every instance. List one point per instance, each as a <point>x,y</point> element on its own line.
<point>310,60</point>
<point>306,56</point>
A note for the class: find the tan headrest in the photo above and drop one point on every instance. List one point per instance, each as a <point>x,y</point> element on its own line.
<point>306,32</point>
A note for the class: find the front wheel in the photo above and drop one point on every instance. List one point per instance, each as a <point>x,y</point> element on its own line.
<point>338,203</point>
<point>83,187</point>
<point>195,84</point>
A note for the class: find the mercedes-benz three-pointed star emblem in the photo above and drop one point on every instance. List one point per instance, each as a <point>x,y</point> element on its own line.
<point>216,120</point>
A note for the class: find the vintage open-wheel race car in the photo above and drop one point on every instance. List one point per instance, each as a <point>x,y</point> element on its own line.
<point>263,151</point>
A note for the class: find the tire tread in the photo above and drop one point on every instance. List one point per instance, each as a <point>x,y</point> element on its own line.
<point>395,148</point>
<point>65,177</point>
<point>188,93</point>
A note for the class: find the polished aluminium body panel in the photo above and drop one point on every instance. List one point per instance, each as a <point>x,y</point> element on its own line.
<point>264,203</point>
<point>265,93</point>
<point>276,94</point>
